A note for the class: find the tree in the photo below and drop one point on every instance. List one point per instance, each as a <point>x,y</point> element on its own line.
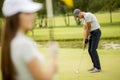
<point>111,5</point>
<point>98,5</point>
<point>42,15</point>
<point>1,3</point>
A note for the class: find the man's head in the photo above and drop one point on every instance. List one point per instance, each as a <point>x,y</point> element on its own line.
<point>78,13</point>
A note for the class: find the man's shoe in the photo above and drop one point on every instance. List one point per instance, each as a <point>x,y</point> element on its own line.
<point>95,70</point>
<point>91,69</point>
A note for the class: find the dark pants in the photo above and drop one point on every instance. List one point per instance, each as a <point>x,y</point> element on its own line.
<point>93,45</point>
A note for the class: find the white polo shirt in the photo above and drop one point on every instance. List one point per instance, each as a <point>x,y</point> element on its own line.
<point>89,17</point>
<point>23,50</point>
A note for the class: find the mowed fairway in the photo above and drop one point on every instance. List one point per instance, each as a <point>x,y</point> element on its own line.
<point>68,60</point>
<point>108,31</point>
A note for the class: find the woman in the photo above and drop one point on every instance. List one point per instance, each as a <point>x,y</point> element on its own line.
<point>20,57</point>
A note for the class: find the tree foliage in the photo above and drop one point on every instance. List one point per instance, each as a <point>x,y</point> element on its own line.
<point>1,3</point>
<point>85,5</point>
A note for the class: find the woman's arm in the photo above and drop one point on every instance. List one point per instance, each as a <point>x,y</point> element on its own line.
<point>37,70</point>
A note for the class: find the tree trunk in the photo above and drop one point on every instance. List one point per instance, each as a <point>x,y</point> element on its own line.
<point>32,32</point>
<point>110,14</point>
<point>41,22</point>
<point>65,19</point>
<point>68,20</point>
<point>46,24</point>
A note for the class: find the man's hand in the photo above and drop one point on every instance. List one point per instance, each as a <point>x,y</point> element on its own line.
<point>85,43</point>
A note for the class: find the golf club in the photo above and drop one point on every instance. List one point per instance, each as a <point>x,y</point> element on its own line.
<point>81,59</point>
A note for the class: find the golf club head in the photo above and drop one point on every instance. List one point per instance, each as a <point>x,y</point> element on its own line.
<point>78,71</point>
<point>75,70</point>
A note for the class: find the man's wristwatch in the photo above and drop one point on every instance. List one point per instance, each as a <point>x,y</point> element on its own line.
<point>86,41</point>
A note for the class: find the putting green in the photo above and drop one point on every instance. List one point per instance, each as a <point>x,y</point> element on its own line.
<point>69,58</point>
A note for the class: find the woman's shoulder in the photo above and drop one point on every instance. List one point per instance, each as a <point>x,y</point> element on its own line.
<point>21,41</point>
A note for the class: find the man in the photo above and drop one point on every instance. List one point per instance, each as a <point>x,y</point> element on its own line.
<point>91,30</point>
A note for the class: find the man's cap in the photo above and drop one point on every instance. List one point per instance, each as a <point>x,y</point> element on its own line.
<point>76,12</point>
<point>12,7</point>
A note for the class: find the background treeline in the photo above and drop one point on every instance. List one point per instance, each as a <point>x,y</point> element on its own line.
<point>85,5</point>
<point>61,9</point>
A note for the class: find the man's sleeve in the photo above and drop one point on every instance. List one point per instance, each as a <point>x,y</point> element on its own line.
<point>88,18</point>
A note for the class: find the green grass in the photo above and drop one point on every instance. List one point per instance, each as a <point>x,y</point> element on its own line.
<point>102,18</point>
<point>69,58</point>
<point>105,17</point>
<point>108,31</point>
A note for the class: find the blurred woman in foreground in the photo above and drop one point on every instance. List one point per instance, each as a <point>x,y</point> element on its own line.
<point>21,59</point>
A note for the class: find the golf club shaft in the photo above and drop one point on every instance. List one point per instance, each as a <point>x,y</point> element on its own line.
<point>81,58</point>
